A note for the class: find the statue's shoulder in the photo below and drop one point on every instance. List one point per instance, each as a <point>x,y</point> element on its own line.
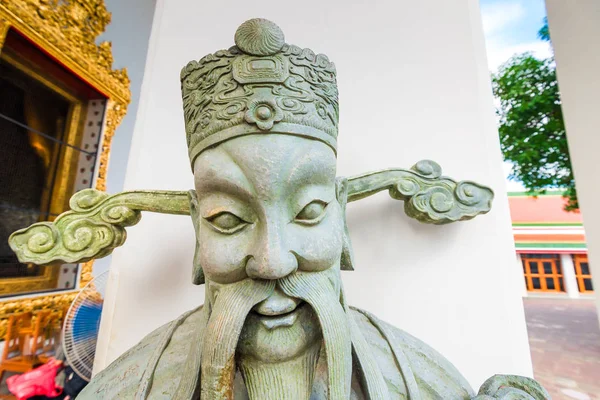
<point>408,364</point>
<point>154,362</point>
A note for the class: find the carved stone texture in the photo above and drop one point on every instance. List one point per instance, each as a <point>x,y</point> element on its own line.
<point>259,37</point>
<point>262,85</point>
<point>94,226</point>
<point>428,196</point>
<point>511,387</point>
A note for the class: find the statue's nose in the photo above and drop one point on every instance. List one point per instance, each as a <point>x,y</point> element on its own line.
<point>272,259</point>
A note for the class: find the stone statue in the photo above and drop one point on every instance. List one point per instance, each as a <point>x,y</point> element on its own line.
<point>269,216</point>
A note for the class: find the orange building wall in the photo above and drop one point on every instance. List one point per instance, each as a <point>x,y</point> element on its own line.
<point>541,225</point>
<point>543,209</point>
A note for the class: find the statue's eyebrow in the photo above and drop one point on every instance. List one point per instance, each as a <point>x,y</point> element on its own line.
<point>302,169</point>
<point>223,185</point>
<point>232,180</point>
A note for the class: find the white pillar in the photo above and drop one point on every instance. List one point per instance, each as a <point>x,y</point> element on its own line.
<point>569,278</point>
<point>399,105</point>
<point>575,34</point>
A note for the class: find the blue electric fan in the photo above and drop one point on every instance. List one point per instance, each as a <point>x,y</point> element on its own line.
<point>82,323</point>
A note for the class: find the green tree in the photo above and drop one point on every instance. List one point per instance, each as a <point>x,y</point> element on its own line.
<point>532,130</point>
<point>544,32</point>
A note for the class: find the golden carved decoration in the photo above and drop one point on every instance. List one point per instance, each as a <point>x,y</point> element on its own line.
<point>3,31</point>
<point>55,302</point>
<point>114,115</point>
<point>67,31</point>
<point>86,273</point>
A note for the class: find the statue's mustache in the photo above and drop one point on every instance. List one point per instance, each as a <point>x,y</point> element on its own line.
<point>233,303</point>
<point>319,290</point>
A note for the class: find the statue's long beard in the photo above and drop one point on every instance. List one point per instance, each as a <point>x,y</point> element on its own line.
<point>321,290</point>
<point>231,306</point>
<point>226,317</point>
<point>229,310</point>
<point>321,331</point>
<point>287,380</point>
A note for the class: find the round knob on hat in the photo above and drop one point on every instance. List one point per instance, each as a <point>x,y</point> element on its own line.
<point>259,37</point>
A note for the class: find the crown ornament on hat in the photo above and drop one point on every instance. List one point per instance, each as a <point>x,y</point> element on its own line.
<point>260,85</point>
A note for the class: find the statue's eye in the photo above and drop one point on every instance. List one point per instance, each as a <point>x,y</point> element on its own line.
<point>226,222</point>
<point>313,213</point>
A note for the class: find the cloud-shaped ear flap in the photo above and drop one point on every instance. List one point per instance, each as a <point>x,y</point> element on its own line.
<point>347,260</point>
<point>198,273</point>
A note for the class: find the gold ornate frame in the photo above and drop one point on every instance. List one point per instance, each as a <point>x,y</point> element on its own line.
<point>48,277</point>
<point>67,32</point>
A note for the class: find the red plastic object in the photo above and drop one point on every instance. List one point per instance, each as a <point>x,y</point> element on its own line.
<point>37,382</point>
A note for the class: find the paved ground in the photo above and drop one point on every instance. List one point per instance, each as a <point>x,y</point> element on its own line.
<point>564,337</point>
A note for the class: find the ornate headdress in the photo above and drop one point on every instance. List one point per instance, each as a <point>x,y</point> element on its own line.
<point>261,85</point>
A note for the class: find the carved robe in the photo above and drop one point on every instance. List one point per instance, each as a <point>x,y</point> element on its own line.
<point>153,368</point>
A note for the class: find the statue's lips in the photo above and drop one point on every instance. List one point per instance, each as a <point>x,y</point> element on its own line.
<point>277,304</point>
<point>277,310</point>
<point>280,320</point>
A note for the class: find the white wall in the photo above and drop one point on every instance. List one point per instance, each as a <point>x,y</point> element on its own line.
<point>413,84</point>
<point>129,32</point>
<point>575,33</point>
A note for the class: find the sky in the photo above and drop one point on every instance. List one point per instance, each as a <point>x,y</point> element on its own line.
<point>511,27</point>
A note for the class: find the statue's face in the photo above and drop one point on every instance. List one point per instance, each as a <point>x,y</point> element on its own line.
<point>267,209</point>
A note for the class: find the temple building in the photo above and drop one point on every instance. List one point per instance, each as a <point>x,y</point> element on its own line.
<point>550,244</point>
